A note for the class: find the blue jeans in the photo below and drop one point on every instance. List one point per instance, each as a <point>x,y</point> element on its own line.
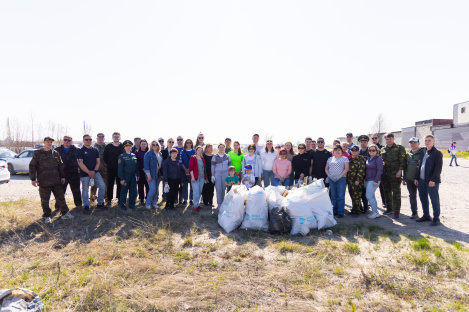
<point>370,194</point>
<point>338,195</point>
<point>85,187</point>
<point>455,160</point>
<point>185,189</point>
<point>153,192</point>
<point>286,182</point>
<point>292,178</point>
<point>424,192</point>
<point>269,177</point>
<point>197,187</point>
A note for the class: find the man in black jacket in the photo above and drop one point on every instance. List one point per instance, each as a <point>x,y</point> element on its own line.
<point>68,153</point>
<point>427,178</point>
<point>110,158</point>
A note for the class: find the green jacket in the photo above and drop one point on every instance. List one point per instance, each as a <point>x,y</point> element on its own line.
<point>127,166</point>
<point>46,167</point>
<point>393,159</point>
<point>356,170</point>
<point>412,161</point>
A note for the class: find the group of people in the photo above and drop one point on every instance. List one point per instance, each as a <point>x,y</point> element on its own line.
<point>192,172</point>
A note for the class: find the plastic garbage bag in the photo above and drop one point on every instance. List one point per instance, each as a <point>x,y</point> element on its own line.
<point>322,209</point>
<point>274,196</point>
<point>279,221</point>
<point>231,212</point>
<point>314,187</point>
<point>19,299</point>
<point>301,214</point>
<point>257,211</point>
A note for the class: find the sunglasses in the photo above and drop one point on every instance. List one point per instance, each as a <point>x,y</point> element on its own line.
<point>320,141</point>
<point>269,142</point>
<point>372,150</point>
<point>154,145</point>
<point>301,148</point>
<point>161,141</point>
<point>170,141</point>
<point>374,138</point>
<point>278,147</point>
<point>200,138</point>
<point>67,140</point>
<point>179,139</point>
<point>86,140</point>
<point>252,149</point>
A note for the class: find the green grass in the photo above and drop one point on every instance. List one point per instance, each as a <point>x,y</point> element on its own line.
<point>459,154</point>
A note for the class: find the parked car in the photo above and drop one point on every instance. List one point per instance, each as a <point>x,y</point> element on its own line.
<point>6,154</point>
<point>20,163</point>
<point>42,145</point>
<point>4,173</point>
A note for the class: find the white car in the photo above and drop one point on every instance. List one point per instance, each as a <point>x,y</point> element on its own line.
<point>20,163</point>
<point>4,173</point>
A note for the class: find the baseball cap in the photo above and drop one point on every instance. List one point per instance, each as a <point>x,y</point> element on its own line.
<point>284,151</point>
<point>248,167</point>
<point>355,148</point>
<point>414,139</point>
<point>349,134</point>
<point>227,139</point>
<point>100,134</point>
<point>160,139</point>
<point>48,138</point>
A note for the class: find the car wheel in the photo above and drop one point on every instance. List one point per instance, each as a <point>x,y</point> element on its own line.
<point>11,169</point>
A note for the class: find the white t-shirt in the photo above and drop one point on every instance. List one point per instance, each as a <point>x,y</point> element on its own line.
<point>268,159</point>
<point>452,150</point>
<point>259,149</point>
<point>249,178</point>
<point>251,160</point>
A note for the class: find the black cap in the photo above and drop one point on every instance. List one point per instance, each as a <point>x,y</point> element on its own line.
<point>48,138</point>
<point>128,142</point>
<point>349,134</point>
<point>355,148</point>
<point>227,139</point>
<point>363,138</point>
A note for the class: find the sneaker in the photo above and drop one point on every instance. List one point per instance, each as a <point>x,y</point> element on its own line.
<point>424,219</point>
<point>148,207</point>
<point>102,206</point>
<point>142,202</point>
<point>67,216</point>
<point>156,207</point>
<point>451,165</point>
<point>191,202</point>
<point>396,215</point>
<point>196,209</point>
<point>168,208</point>
<point>435,221</point>
<point>374,215</point>
<point>184,202</point>
<point>457,165</point>
<point>87,210</point>
<point>47,220</point>
<point>414,216</point>
<point>388,211</point>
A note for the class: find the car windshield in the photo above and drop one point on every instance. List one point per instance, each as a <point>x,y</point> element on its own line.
<point>7,154</point>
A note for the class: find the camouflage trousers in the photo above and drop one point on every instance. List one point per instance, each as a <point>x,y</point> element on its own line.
<point>392,192</point>
<point>103,174</point>
<point>355,192</point>
<point>58,191</point>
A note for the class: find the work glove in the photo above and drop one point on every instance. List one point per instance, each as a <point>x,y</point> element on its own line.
<point>213,179</point>
<point>166,188</point>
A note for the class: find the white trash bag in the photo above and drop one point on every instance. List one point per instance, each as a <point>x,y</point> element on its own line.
<point>19,299</point>
<point>274,196</point>
<point>322,209</point>
<point>257,211</point>
<point>314,187</point>
<point>301,214</point>
<point>231,212</point>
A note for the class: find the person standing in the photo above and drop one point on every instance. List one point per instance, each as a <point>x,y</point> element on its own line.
<point>255,141</point>
<point>161,142</point>
<point>349,139</point>
<point>282,169</point>
<point>320,157</point>
<point>336,169</point>
<point>356,179</point>
<point>268,157</point>
<point>314,145</point>
<point>142,183</point>
<point>198,172</point>
<point>68,154</point>
<point>46,171</point>
<point>136,146</point>
<point>363,141</point>
<point>374,171</point>
<point>427,178</point>
<point>236,156</point>
<point>180,147</point>
<point>100,145</point>
<point>227,145</point>
<point>375,140</point>
<point>165,153</point>
<point>452,151</point>
<point>110,157</point>
<point>309,150</point>
<point>290,155</point>
<point>88,161</point>
<point>254,160</point>
<point>187,153</point>
<point>173,176</point>
<point>128,173</point>
<point>220,164</point>
<point>301,163</point>
<point>412,160</point>
<point>200,140</point>
<point>208,189</point>
<point>152,164</point>
<point>394,161</point>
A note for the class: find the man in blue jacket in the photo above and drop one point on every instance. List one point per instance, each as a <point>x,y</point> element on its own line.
<point>427,178</point>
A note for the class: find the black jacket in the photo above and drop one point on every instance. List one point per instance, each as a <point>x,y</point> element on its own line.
<point>301,164</point>
<point>69,160</point>
<point>111,155</point>
<point>433,166</point>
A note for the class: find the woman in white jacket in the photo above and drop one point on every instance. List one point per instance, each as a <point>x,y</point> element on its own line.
<point>268,156</point>
<point>255,161</point>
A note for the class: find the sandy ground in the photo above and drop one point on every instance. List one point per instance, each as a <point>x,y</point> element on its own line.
<point>453,192</point>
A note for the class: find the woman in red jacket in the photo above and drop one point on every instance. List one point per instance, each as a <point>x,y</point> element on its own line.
<point>198,172</point>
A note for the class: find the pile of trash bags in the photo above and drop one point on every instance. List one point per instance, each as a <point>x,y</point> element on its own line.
<point>277,210</point>
<point>19,299</point>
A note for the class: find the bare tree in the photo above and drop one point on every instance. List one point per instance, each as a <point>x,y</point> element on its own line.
<point>380,124</point>
<point>32,126</point>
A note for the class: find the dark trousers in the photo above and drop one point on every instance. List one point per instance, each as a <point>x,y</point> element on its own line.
<point>131,188</point>
<point>364,208</point>
<point>412,188</point>
<point>74,182</point>
<point>58,191</point>
<point>111,179</point>
<point>142,185</point>
<point>382,194</point>
<point>173,191</point>
<point>424,192</point>
<point>207,193</point>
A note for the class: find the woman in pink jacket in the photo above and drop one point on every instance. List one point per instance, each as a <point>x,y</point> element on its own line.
<point>282,169</point>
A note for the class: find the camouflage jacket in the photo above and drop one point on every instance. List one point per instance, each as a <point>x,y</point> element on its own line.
<point>393,159</point>
<point>46,167</point>
<point>356,170</point>
<point>102,165</point>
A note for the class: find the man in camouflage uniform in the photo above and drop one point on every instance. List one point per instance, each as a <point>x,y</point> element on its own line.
<point>355,179</point>
<point>100,145</point>
<point>363,141</point>
<point>46,170</point>
<point>394,162</point>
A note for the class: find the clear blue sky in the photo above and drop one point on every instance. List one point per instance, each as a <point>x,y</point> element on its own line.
<point>232,68</point>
